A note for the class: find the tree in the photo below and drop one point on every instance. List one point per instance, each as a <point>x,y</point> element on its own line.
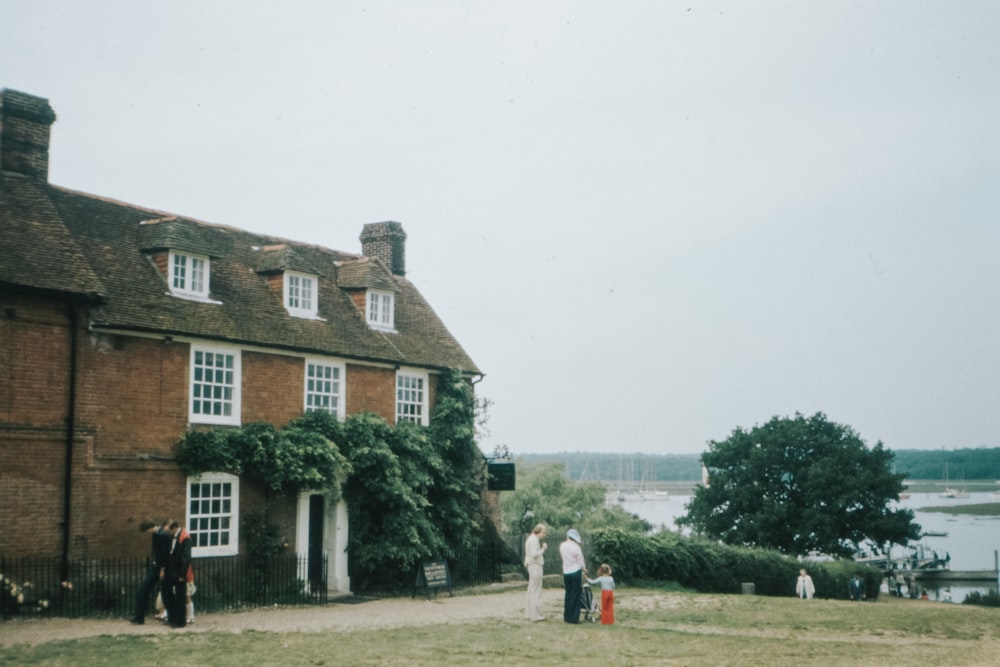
<point>798,485</point>
<point>545,495</point>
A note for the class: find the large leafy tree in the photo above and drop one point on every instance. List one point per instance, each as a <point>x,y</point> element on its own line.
<point>800,484</point>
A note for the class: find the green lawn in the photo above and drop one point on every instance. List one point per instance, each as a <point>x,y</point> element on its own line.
<point>653,628</point>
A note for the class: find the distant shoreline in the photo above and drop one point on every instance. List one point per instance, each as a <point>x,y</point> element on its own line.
<point>918,486</point>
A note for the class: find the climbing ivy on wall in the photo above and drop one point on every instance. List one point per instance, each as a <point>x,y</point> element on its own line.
<point>413,492</point>
<point>285,460</point>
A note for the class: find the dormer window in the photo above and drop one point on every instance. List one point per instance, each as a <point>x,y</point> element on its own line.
<point>189,274</point>
<point>300,294</point>
<point>380,310</point>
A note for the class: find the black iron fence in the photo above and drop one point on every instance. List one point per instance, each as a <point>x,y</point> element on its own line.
<point>36,587</point>
<point>480,566</point>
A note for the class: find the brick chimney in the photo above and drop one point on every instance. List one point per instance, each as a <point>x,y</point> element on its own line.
<point>25,121</point>
<point>387,241</point>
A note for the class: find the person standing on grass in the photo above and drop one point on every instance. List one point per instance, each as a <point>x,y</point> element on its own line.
<point>856,587</point>
<point>804,588</point>
<point>572,559</point>
<point>154,574</point>
<point>607,584</point>
<point>534,560</point>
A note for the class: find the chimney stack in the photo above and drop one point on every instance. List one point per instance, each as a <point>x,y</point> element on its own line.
<point>25,121</point>
<point>387,241</point>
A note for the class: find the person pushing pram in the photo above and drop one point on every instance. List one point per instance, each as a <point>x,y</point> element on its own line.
<point>579,598</point>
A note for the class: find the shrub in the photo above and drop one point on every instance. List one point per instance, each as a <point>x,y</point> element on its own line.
<point>711,567</point>
<point>989,599</point>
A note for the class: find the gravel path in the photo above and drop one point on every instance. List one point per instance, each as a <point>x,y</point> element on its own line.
<point>386,613</point>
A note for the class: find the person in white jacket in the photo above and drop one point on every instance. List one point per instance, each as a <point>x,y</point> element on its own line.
<point>534,560</point>
<point>804,588</point>
<point>573,565</point>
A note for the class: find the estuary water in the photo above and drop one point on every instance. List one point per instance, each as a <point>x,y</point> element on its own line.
<point>972,542</point>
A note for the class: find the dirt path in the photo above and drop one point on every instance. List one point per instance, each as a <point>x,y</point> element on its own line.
<point>337,616</point>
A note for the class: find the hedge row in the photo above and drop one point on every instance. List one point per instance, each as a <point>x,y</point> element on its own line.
<point>710,567</point>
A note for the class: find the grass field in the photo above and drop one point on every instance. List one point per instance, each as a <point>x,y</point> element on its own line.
<point>653,628</point>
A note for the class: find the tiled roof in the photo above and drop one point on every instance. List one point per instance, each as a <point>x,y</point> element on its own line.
<point>173,233</point>
<point>64,241</point>
<point>365,273</point>
<point>37,252</point>
<point>277,258</point>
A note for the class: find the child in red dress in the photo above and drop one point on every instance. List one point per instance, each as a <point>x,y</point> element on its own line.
<point>607,584</point>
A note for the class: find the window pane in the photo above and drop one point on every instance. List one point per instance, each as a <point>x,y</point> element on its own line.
<point>214,384</point>
<point>211,506</point>
<point>322,388</point>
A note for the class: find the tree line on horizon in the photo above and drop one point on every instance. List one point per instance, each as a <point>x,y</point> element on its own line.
<point>634,469</point>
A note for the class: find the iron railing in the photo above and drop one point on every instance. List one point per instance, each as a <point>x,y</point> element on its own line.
<point>35,587</point>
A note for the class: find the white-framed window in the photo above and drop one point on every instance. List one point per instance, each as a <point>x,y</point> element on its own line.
<point>213,506</point>
<point>380,310</point>
<point>215,385</point>
<point>300,294</point>
<point>411,397</point>
<point>325,387</point>
<point>189,274</point>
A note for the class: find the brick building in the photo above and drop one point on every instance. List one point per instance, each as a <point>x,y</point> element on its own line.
<point>121,328</point>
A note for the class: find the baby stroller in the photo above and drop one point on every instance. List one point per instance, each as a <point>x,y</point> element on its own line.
<point>589,605</point>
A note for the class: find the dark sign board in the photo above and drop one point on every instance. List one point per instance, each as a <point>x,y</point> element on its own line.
<point>434,575</point>
<point>501,477</point>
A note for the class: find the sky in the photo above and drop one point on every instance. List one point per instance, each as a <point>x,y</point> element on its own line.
<point>649,223</point>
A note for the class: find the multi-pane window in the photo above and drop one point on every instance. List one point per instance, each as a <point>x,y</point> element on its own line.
<point>411,397</point>
<point>189,274</point>
<point>380,309</point>
<point>300,294</point>
<point>215,384</point>
<point>324,387</point>
<point>213,511</point>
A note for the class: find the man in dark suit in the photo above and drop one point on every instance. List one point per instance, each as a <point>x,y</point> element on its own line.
<point>175,578</point>
<point>160,552</point>
<point>856,587</point>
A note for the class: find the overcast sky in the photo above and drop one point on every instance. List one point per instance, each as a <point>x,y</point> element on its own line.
<point>649,223</point>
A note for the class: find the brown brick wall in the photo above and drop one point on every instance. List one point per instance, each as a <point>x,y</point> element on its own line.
<point>132,407</point>
<point>161,261</point>
<point>360,299</point>
<point>25,146</point>
<point>34,363</point>
<point>277,283</point>
<point>371,389</point>
<point>132,393</point>
<point>490,507</point>
<point>273,388</point>
<point>31,487</point>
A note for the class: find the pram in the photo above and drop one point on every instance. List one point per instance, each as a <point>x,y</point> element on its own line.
<point>589,605</point>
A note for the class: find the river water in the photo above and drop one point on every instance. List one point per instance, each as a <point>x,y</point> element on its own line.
<point>972,542</point>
